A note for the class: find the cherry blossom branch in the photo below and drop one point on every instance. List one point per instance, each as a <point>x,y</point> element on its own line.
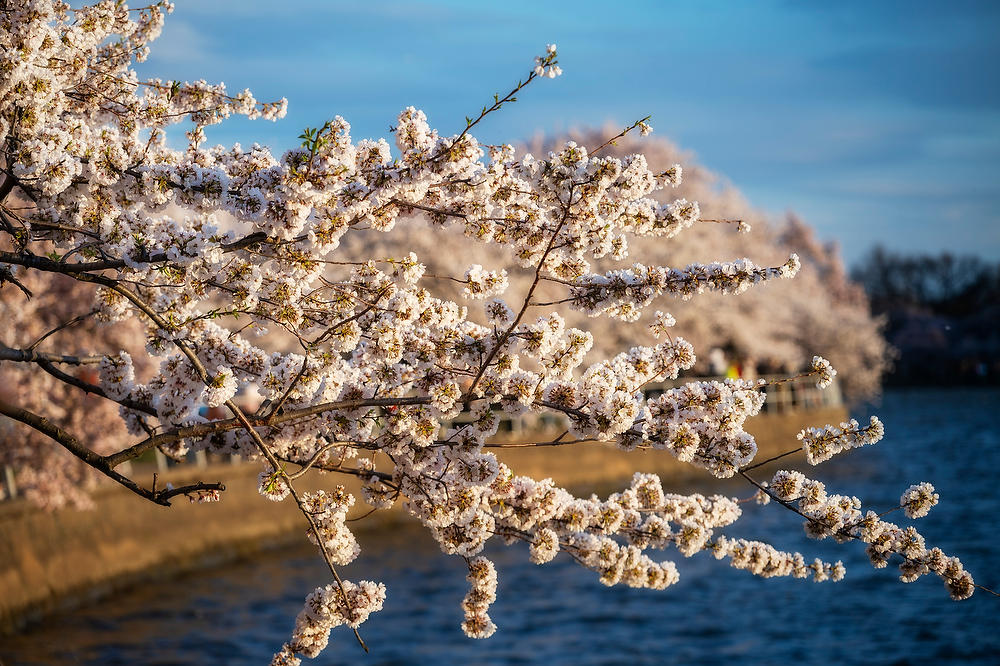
<point>542,68</point>
<point>45,361</point>
<point>31,356</point>
<point>105,214</point>
<point>240,417</point>
<point>641,124</point>
<point>525,304</point>
<point>846,531</point>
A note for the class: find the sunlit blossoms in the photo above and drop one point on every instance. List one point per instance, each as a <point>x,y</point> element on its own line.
<point>329,513</point>
<point>841,517</point>
<point>824,371</point>
<point>545,65</point>
<point>329,607</point>
<point>918,500</point>
<point>821,444</point>
<point>224,266</point>
<point>483,578</point>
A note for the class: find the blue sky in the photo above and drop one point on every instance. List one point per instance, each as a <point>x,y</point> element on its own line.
<point>878,122</point>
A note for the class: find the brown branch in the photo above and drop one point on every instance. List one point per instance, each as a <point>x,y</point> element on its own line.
<point>60,327</point>
<point>7,275</point>
<point>93,388</point>
<point>174,435</point>
<point>167,493</point>
<point>45,264</point>
<point>31,356</point>
<point>94,460</point>
<point>12,181</point>
<point>771,459</point>
<point>362,516</point>
<point>6,187</point>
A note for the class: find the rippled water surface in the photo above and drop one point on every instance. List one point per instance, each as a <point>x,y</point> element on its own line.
<point>559,613</point>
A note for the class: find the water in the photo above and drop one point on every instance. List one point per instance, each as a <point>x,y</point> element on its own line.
<point>559,613</point>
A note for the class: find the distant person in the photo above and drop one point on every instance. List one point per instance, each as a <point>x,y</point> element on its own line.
<point>717,364</point>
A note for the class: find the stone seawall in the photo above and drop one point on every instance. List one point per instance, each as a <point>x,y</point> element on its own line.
<point>56,560</point>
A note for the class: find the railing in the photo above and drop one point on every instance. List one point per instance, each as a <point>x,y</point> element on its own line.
<point>783,395</point>
<point>796,395</point>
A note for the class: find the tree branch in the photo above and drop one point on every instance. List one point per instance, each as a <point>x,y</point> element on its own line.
<point>31,356</point>
<point>94,460</point>
<point>6,187</point>
<point>46,264</point>
<point>45,361</point>
<point>95,389</point>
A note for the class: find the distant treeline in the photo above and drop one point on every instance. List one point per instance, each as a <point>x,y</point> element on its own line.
<point>943,315</point>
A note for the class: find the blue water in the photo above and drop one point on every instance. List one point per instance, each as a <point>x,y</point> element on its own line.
<point>559,613</point>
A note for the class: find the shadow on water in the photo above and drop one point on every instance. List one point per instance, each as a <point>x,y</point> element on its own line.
<point>559,613</point>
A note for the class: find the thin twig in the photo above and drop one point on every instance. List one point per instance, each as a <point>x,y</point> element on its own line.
<point>771,459</point>
<point>60,327</point>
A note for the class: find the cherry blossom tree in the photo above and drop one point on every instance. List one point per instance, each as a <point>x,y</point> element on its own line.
<point>781,325</point>
<point>225,262</point>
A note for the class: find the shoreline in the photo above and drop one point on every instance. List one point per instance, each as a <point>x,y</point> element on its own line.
<point>56,561</point>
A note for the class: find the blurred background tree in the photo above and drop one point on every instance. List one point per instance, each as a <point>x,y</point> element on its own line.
<point>942,313</point>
